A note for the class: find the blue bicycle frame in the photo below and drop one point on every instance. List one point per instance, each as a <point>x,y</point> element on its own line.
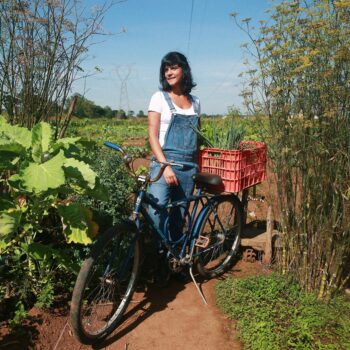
<point>190,234</point>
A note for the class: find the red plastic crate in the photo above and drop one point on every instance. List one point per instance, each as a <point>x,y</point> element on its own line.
<point>239,169</point>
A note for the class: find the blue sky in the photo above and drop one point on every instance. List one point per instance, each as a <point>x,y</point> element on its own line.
<point>211,42</point>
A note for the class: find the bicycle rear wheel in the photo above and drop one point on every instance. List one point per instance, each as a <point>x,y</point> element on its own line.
<point>222,226</point>
<point>105,285</point>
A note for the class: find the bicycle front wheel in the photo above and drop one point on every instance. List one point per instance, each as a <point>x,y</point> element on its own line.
<point>222,227</point>
<point>105,285</point>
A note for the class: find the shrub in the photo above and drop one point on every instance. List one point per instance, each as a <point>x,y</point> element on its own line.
<point>300,80</point>
<point>110,168</point>
<point>38,215</point>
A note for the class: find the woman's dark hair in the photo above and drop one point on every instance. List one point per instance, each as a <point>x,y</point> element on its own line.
<point>178,58</point>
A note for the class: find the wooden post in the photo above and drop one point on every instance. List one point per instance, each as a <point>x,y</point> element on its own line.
<point>244,201</point>
<point>269,231</point>
<point>68,117</point>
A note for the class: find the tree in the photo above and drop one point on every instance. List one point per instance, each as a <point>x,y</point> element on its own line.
<point>121,114</point>
<point>300,80</point>
<point>88,109</point>
<point>108,112</point>
<point>98,112</point>
<point>84,108</point>
<point>140,114</point>
<point>42,47</point>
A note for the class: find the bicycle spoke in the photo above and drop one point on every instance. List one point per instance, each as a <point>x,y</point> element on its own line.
<point>105,285</point>
<point>221,226</point>
<point>105,293</point>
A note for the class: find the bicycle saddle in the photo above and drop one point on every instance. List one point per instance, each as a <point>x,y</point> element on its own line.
<point>207,179</point>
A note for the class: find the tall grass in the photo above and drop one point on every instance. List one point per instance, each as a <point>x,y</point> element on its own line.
<point>302,82</point>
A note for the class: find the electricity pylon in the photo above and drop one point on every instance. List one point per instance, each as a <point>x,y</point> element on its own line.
<point>123,73</point>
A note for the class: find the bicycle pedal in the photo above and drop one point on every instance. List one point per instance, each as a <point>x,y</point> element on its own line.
<point>202,242</point>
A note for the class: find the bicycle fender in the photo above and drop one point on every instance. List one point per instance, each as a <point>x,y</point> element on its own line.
<point>201,215</point>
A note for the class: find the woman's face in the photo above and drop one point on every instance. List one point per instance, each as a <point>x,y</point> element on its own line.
<point>173,75</point>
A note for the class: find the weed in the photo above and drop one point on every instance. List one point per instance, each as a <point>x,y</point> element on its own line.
<point>114,177</point>
<point>45,297</point>
<point>20,315</point>
<point>274,313</point>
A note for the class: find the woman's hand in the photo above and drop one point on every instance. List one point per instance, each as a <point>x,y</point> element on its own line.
<point>170,177</point>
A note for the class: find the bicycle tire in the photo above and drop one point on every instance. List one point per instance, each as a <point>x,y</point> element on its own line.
<point>105,285</point>
<point>222,224</point>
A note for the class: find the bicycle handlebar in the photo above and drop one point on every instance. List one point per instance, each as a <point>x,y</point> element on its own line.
<point>128,161</point>
<point>114,146</point>
<point>126,158</point>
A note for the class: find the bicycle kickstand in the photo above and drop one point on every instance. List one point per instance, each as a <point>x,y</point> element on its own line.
<point>198,289</point>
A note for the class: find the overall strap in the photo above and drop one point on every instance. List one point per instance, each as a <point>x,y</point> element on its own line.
<point>195,104</point>
<point>172,107</point>
<point>170,103</point>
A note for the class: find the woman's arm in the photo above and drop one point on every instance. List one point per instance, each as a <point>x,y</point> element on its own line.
<point>153,135</point>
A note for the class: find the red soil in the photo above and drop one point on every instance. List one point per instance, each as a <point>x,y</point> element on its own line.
<point>174,317</point>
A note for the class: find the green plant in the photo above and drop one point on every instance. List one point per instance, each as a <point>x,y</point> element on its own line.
<point>223,134</point>
<point>113,176</point>
<point>141,170</point>
<point>299,78</point>
<point>39,174</point>
<point>38,214</point>
<point>274,313</point>
<point>115,130</point>
<point>45,296</point>
<point>19,316</point>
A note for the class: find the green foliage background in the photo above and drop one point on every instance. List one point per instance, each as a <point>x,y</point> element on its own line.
<point>118,183</point>
<point>50,191</point>
<point>274,313</point>
<point>298,75</point>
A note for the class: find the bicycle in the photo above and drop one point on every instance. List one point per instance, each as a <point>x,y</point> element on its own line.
<point>108,277</point>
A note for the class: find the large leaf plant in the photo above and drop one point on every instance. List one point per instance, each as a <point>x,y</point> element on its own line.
<point>41,176</point>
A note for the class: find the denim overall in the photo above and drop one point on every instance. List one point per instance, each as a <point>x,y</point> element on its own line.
<point>180,145</point>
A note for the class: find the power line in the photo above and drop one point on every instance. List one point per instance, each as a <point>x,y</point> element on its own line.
<point>203,14</point>
<point>219,85</point>
<point>190,29</point>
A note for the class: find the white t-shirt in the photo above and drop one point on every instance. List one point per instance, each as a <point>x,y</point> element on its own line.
<point>159,104</point>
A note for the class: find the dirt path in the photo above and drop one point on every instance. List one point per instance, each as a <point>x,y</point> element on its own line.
<point>170,318</point>
<point>176,318</point>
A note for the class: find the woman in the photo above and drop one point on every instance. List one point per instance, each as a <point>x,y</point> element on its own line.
<point>173,117</point>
